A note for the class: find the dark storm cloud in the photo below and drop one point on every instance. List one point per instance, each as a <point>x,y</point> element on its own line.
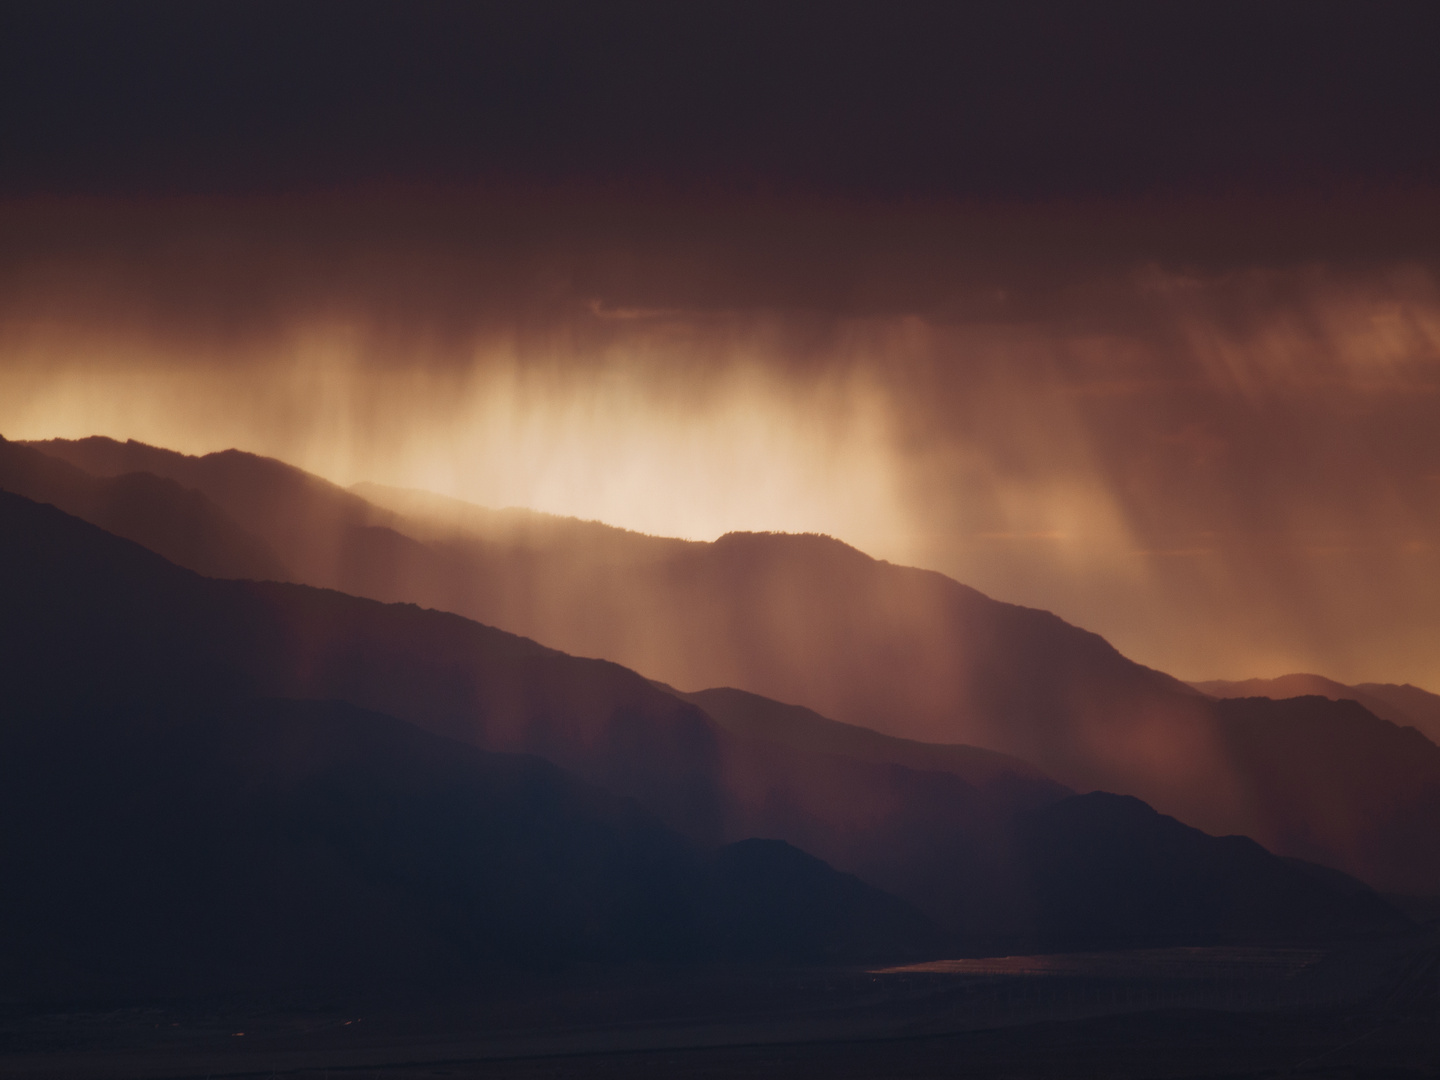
<point>942,100</point>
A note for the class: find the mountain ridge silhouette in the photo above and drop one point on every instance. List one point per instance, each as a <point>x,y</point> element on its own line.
<point>806,620</point>
<point>1402,704</point>
<point>270,845</point>
<point>92,622</point>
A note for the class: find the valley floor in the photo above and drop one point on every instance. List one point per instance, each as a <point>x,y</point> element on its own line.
<point>1370,1010</point>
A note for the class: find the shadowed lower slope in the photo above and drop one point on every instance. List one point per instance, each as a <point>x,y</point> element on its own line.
<point>259,844</point>
<point>1107,871</point>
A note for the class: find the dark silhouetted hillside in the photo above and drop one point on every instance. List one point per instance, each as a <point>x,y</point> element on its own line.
<point>174,521</point>
<point>89,623</point>
<point>1106,869</point>
<point>1382,817</point>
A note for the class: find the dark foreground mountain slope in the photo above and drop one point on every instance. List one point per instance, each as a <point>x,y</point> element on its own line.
<point>1405,705</point>
<point>1382,821</point>
<point>1107,869</point>
<point>177,522</point>
<point>198,846</point>
<point>87,620</point>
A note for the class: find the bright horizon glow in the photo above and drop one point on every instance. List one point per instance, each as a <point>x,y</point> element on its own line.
<point>1230,476</point>
<point>745,452</point>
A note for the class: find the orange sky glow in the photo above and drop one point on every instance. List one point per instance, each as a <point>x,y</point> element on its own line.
<point>1228,468</point>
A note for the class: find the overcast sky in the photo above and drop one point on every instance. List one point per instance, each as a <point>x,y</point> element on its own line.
<point>1128,311</point>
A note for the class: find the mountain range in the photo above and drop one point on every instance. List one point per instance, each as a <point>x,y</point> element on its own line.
<point>1401,704</point>
<point>199,753</point>
<point>808,620</point>
<point>946,836</point>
